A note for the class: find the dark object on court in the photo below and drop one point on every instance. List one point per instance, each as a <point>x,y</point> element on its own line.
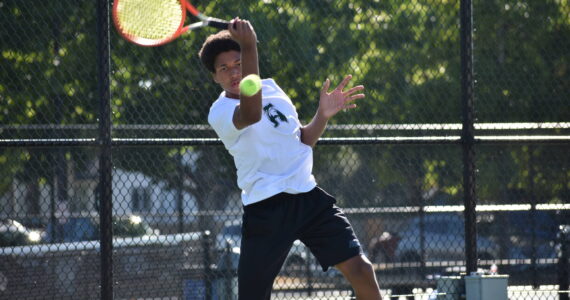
<point>383,248</point>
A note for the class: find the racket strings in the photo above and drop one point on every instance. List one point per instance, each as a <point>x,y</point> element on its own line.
<point>152,20</point>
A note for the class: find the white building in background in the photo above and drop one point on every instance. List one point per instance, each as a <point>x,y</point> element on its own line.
<point>133,193</point>
<point>136,193</point>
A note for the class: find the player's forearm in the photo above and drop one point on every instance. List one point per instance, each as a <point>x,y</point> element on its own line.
<point>249,60</point>
<point>250,107</point>
<point>311,133</point>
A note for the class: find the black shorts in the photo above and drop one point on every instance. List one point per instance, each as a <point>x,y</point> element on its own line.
<point>271,226</point>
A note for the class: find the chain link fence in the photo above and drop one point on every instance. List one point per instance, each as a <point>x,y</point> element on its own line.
<point>395,164</point>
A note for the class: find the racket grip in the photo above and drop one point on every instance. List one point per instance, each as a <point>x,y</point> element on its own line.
<point>217,23</point>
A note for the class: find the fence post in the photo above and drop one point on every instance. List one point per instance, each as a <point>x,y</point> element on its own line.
<point>563,258</point>
<point>309,273</point>
<point>105,162</point>
<point>468,133</point>
<point>208,274</point>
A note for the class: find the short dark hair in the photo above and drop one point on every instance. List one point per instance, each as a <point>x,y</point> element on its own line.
<point>214,45</point>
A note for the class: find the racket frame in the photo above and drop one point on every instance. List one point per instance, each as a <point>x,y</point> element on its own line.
<point>205,21</point>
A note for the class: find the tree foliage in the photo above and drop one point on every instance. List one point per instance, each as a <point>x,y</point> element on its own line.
<point>406,53</point>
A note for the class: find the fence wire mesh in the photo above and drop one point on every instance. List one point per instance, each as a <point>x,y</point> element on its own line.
<point>394,164</point>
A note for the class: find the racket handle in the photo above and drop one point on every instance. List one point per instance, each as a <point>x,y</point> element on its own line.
<point>217,23</point>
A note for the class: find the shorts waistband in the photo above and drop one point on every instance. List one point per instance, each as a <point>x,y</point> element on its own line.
<point>278,197</point>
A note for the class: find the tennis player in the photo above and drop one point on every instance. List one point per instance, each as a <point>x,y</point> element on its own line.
<point>273,156</point>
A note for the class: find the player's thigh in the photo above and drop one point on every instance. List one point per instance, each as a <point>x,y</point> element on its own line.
<point>264,244</point>
<point>260,262</point>
<point>331,237</point>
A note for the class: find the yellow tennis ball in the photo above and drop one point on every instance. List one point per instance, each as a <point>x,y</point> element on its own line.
<point>250,85</point>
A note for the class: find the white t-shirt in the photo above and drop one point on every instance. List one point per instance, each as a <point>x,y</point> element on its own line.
<point>269,155</point>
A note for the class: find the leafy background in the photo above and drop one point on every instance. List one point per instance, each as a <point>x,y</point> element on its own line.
<point>406,53</point>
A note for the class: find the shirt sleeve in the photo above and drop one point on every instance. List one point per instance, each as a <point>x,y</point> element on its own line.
<point>221,119</point>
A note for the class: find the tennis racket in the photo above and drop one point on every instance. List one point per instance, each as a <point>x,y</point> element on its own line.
<point>157,22</point>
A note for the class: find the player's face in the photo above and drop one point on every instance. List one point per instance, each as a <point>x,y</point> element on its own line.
<point>228,72</point>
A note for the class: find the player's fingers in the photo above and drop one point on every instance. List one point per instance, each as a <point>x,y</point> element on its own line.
<point>238,21</point>
<point>245,26</point>
<point>354,89</point>
<point>344,82</point>
<point>249,26</point>
<point>326,87</point>
<point>354,97</point>
<point>238,24</point>
<point>350,106</point>
<point>233,25</point>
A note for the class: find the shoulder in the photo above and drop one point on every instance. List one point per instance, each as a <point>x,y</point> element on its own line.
<point>221,107</point>
<point>220,118</point>
<point>221,103</point>
<point>268,81</point>
<point>269,84</point>
<point>271,88</point>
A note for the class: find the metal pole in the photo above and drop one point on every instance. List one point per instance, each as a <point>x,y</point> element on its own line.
<point>422,215</point>
<point>104,142</point>
<point>468,133</point>
<point>563,260</point>
<point>206,244</point>
<point>533,216</point>
<point>179,194</point>
<point>309,273</point>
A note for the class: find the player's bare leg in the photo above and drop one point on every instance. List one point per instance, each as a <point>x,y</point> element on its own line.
<point>359,272</point>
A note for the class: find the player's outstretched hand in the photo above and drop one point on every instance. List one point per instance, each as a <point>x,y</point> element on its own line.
<point>331,103</point>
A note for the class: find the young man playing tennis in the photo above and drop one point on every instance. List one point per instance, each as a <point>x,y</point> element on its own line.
<point>273,155</point>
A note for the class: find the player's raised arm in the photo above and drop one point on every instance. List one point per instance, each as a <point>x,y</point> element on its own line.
<point>330,103</point>
<point>249,110</point>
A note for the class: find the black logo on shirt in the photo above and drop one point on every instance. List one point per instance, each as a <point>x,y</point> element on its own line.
<point>274,115</point>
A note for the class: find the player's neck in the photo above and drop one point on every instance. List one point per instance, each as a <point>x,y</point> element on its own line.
<point>232,95</point>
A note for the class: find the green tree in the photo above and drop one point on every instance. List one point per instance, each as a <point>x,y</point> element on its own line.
<point>405,53</point>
